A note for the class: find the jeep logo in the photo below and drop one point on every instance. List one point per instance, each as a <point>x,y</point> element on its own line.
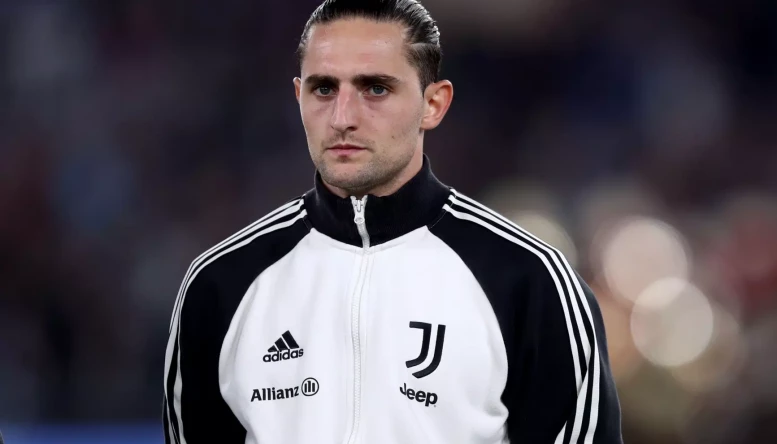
<point>427,398</point>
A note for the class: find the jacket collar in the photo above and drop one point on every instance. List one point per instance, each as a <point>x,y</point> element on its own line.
<point>418,203</point>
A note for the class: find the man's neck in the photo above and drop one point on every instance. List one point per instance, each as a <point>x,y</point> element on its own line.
<point>418,202</point>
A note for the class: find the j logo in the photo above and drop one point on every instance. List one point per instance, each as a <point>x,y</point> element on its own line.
<point>427,329</point>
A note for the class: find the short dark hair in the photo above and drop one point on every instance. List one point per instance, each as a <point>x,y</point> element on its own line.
<point>421,33</point>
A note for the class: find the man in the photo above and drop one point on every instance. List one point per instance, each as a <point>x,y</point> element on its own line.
<point>383,306</point>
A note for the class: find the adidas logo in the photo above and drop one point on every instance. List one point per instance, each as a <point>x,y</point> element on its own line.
<point>284,348</point>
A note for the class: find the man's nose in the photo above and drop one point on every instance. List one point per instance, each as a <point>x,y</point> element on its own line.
<point>345,113</point>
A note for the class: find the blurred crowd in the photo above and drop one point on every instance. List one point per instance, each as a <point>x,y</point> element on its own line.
<point>638,137</point>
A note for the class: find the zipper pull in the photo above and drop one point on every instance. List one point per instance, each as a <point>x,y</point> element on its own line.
<point>360,220</point>
<point>358,209</point>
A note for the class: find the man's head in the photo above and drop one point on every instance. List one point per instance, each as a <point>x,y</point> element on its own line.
<point>368,90</point>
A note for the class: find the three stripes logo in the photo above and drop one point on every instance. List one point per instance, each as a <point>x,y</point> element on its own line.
<point>427,330</point>
<point>284,348</point>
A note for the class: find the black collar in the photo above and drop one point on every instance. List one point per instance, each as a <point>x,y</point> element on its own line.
<point>418,203</point>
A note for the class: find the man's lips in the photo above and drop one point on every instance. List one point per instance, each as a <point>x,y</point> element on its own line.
<point>346,147</point>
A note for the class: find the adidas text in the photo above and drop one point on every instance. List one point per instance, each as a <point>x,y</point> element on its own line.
<point>282,356</point>
<point>427,398</point>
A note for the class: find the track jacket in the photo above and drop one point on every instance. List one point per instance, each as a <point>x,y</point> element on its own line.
<point>419,317</point>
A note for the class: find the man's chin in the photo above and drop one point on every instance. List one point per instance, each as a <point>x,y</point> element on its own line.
<point>346,177</point>
<point>338,168</point>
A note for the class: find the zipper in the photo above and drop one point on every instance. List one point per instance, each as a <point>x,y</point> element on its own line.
<point>361,224</point>
<point>360,220</point>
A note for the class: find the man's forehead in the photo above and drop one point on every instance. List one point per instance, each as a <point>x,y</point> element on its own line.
<point>358,29</point>
<point>355,45</point>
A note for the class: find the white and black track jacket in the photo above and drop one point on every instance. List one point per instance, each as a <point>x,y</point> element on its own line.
<point>420,317</point>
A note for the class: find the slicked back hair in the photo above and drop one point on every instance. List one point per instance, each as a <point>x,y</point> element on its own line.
<point>422,36</point>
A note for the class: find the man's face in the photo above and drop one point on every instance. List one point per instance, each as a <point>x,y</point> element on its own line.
<point>361,103</point>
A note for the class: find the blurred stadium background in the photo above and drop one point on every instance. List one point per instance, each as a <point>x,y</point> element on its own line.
<point>638,137</point>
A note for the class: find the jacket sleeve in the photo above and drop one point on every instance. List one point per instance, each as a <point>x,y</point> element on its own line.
<point>194,410</point>
<point>562,389</point>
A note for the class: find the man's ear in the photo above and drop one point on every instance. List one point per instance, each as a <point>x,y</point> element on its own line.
<point>297,87</point>
<point>437,97</point>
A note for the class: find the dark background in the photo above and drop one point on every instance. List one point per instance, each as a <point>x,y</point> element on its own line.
<point>638,137</point>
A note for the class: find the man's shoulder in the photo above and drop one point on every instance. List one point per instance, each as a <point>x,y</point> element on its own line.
<point>512,264</point>
<point>261,241</point>
<point>225,271</point>
<point>484,235</point>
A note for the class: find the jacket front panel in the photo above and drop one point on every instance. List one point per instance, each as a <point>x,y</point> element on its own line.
<point>359,319</point>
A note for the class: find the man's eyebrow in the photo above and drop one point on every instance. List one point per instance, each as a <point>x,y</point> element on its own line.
<point>361,80</point>
<point>321,79</point>
<point>372,79</point>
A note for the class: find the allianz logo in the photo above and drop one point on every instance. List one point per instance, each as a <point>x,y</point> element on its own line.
<point>308,387</point>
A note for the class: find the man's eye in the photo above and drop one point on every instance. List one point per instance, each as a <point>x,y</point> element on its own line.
<point>378,90</point>
<point>322,91</point>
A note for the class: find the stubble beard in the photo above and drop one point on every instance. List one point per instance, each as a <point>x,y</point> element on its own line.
<point>375,173</point>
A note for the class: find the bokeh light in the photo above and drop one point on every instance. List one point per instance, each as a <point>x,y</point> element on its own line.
<point>602,206</point>
<point>640,251</point>
<point>672,322</point>
<point>721,362</point>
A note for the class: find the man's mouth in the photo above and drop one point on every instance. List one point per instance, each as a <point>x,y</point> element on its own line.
<point>345,149</point>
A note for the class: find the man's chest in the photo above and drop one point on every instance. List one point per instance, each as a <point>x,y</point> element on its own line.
<point>406,329</point>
